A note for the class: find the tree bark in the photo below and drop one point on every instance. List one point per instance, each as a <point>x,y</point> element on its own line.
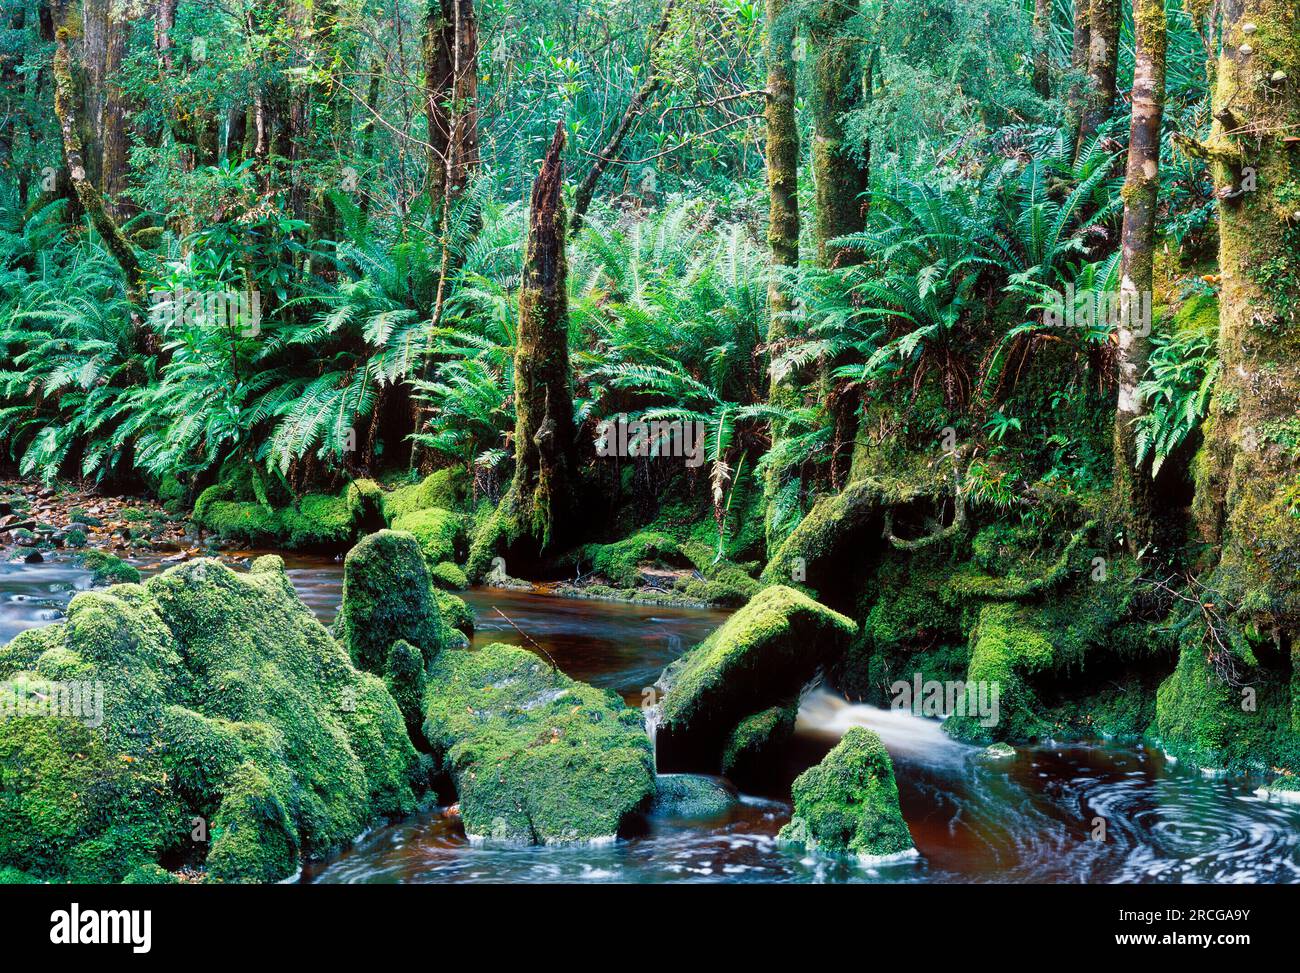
<point>1133,484</point>
<point>66,111</point>
<point>1042,48</point>
<point>838,87</point>
<point>783,214</point>
<point>543,493</point>
<point>451,98</point>
<point>587,188</point>
<point>1103,62</point>
<point>1082,41</point>
<point>1248,474</point>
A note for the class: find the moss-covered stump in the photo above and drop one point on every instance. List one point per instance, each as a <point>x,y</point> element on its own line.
<point>809,554</point>
<point>762,656</point>
<point>536,757</point>
<point>848,804</point>
<point>211,702</point>
<point>387,597</point>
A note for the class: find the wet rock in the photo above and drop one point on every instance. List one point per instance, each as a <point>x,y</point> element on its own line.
<point>388,597</point>
<point>34,557</point>
<point>848,804</point>
<point>536,757</point>
<point>998,751</point>
<point>761,657</point>
<point>691,796</point>
<point>221,697</point>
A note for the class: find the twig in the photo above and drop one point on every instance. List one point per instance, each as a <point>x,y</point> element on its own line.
<point>531,640</point>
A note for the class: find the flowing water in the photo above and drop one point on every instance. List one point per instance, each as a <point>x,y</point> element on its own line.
<point>1036,817</point>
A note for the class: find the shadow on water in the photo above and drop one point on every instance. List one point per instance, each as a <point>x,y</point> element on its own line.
<point>1035,817</point>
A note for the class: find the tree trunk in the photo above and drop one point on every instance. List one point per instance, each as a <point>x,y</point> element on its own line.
<point>1133,485</point>
<point>1079,63</point>
<point>1248,475</point>
<point>115,124</point>
<point>783,218</point>
<point>1103,61</point>
<point>1042,47</point>
<point>544,489</point>
<point>66,111</point>
<point>838,87</point>
<point>451,98</point>
<point>587,188</point>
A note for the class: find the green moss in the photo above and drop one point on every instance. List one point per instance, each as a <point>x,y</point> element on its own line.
<point>621,561</point>
<point>750,744</point>
<point>222,698</point>
<point>75,538</point>
<point>315,521</point>
<point>448,576</point>
<point>536,757</point>
<point>387,597</point>
<point>455,613</point>
<point>440,532</point>
<point>405,679</point>
<point>1207,722</point>
<point>446,489</point>
<point>690,796</point>
<point>763,655</point>
<point>150,874</point>
<point>848,804</point>
<point>108,568</point>
<point>12,876</point>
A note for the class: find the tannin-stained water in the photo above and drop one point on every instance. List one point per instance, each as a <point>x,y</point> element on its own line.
<point>1031,818</point>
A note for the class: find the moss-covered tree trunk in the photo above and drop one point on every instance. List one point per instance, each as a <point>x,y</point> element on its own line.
<point>543,494</point>
<point>1103,64</point>
<point>841,83</point>
<point>67,111</point>
<point>1133,485</point>
<point>1248,473</point>
<point>1079,64</point>
<point>841,171</point>
<point>783,212</point>
<point>1042,47</point>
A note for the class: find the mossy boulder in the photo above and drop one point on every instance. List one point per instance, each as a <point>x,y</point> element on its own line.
<point>439,532</point>
<point>446,489</point>
<point>752,742</point>
<point>455,613</point>
<point>108,569</point>
<point>218,697</point>
<point>536,757</point>
<point>762,656</point>
<point>621,561</point>
<point>387,597</point>
<point>448,576</point>
<point>691,796</point>
<point>248,507</point>
<point>848,804</point>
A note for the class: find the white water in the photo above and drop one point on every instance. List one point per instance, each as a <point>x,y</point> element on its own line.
<point>903,733</point>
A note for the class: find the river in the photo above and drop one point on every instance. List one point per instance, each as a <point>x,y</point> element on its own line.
<point>1053,813</point>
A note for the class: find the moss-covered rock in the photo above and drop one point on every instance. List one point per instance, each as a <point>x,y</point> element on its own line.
<point>446,489</point>
<point>387,597</point>
<point>621,561</point>
<point>108,568</point>
<point>247,506</point>
<point>448,576</point>
<point>691,796</point>
<point>848,804</point>
<point>750,745</point>
<point>535,756</point>
<point>455,613</point>
<point>404,676</point>
<point>439,532</point>
<point>762,656</point>
<point>220,697</point>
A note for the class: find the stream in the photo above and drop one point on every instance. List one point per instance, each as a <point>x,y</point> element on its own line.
<point>1030,818</point>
